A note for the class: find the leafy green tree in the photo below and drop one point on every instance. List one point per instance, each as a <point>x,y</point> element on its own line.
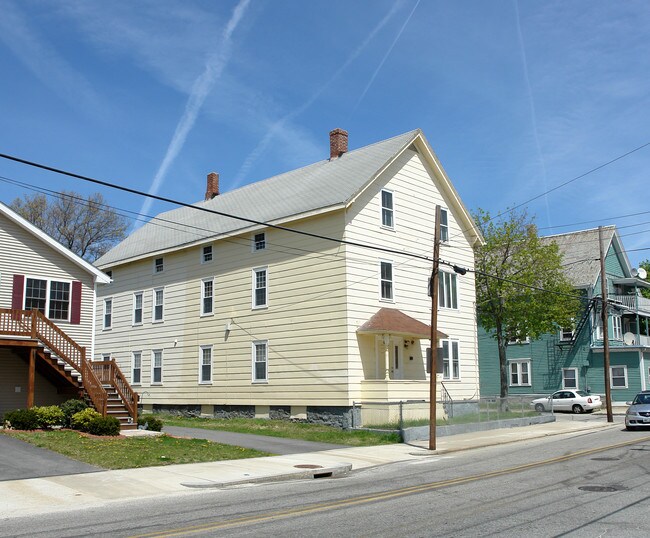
<point>521,288</point>
<point>646,265</point>
<point>87,226</point>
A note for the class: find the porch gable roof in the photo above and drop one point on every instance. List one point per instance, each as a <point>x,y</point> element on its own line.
<point>394,321</point>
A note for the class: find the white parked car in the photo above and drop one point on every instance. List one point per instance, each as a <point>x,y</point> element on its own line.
<point>577,401</point>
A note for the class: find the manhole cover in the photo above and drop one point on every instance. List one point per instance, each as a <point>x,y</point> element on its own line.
<point>601,489</point>
<point>605,459</point>
<point>308,466</point>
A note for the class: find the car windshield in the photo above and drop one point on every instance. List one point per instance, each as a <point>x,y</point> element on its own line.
<point>581,393</point>
<point>642,399</point>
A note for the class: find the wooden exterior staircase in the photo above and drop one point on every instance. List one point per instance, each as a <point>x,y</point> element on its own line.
<point>101,384</point>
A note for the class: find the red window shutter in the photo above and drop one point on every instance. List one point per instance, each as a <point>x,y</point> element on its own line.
<point>75,314</point>
<point>17,292</point>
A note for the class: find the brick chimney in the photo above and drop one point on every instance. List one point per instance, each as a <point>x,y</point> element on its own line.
<point>338,143</point>
<point>212,189</point>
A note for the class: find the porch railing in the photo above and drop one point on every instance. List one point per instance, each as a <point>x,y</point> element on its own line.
<point>632,302</point>
<point>109,373</point>
<point>33,324</point>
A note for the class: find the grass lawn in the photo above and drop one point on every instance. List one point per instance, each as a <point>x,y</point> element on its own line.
<point>129,452</point>
<point>282,428</point>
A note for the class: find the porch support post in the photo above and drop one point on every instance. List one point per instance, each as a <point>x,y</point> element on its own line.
<point>386,361</point>
<point>30,378</point>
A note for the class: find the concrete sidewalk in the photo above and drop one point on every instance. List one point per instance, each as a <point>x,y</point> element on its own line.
<point>62,493</point>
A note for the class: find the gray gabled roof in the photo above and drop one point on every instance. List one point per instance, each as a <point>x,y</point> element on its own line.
<point>322,186</point>
<point>581,254</point>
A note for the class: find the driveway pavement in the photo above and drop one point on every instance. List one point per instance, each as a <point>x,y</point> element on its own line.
<point>274,445</point>
<point>19,460</point>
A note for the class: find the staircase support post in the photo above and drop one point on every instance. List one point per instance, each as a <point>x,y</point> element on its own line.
<point>30,377</point>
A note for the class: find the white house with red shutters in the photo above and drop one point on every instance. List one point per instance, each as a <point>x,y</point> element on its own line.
<point>47,304</point>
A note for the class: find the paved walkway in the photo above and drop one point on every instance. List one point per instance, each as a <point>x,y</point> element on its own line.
<point>62,493</point>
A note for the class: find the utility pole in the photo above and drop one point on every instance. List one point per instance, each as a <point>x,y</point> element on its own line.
<point>434,332</point>
<point>605,320</point>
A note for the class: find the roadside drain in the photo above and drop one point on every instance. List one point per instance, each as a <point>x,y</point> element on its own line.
<point>604,458</point>
<point>324,474</point>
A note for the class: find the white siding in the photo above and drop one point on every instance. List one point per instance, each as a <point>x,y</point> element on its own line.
<point>25,254</point>
<point>415,196</point>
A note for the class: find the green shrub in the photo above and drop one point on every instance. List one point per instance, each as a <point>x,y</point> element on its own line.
<point>104,426</point>
<point>23,419</point>
<point>82,419</point>
<point>149,422</point>
<point>49,416</point>
<point>70,407</point>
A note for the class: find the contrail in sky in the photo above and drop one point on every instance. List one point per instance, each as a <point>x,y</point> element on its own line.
<point>277,126</point>
<point>383,60</point>
<point>200,90</point>
<point>533,113</point>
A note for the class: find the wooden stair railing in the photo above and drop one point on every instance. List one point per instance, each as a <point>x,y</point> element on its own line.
<point>109,373</point>
<point>33,324</point>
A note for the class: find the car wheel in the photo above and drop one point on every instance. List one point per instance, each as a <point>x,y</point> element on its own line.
<point>539,408</point>
<point>577,409</point>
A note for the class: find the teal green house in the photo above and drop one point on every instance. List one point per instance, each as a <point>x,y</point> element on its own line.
<point>572,357</point>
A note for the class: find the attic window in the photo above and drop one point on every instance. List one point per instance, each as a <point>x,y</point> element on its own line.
<point>387,220</point>
<point>259,241</point>
<point>158,265</point>
<point>444,226</point>
<point>206,254</point>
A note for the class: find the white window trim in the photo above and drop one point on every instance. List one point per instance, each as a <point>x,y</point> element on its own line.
<point>519,362</point>
<point>155,267</point>
<point>203,312</point>
<point>133,322</point>
<point>203,260</point>
<point>392,282</point>
<point>254,243</point>
<point>564,387</point>
<point>442,297</point>
<point>254,345</point>
<point>617,323</point>
<point>201,348</point>
<point>563,334</point>
<point>104,326</point>
<point>611,376</point>
<point>153,365</point>
<point>444,241</point>
<point>133,354</point>
<point>48,288</point>
<point>381,209</point>
<point>153,305</point>
<point>451,342</point>
<point>254,288</point>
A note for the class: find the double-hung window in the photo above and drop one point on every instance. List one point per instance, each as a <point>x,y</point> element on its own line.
<point>207,296</point>
<point>137,308</point>
<point>520,373</point>
<point>617,328</point>
<point>387,217</point>
<point>50,297</point>
<point>450,360</point>
<point>444,226</point>
<point>205,364</point>
<point>206,254</point>
<point>108,313</point>
<point>136,367</point>
<point>566,334</point>
<point>260,361</point>
<point>569,378</point>
<point>618,377</point>
<point>259,241</point>
<point>158,304</point>
<point>260,287</point>
<point>156,366</point>
<point>158,265</point>
<point>386,280</point>
<point>447,290</point>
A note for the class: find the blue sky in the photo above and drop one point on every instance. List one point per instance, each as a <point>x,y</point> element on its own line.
<point>515,97</point>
